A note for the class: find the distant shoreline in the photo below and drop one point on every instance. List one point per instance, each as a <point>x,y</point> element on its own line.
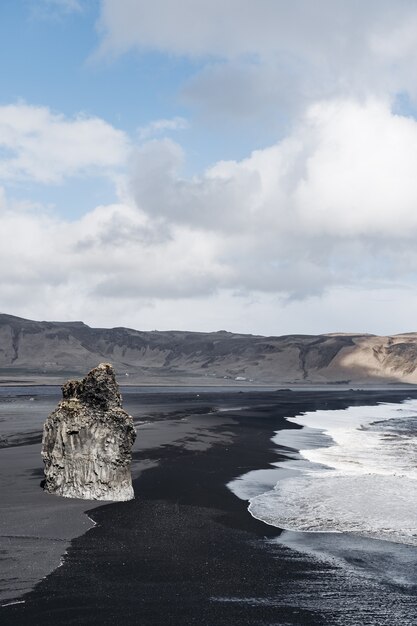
<point>220,384</point>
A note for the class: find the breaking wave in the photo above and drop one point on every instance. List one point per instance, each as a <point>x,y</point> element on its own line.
<point>356,472</point>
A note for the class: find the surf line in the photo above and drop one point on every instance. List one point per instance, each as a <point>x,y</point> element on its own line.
<point>13,602</point>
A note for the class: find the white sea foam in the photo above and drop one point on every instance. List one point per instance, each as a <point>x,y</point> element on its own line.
<point>357,474</point>
<point>13,602</point>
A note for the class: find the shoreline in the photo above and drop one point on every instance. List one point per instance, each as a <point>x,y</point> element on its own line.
<point>186,550</point>
<point>221,383</point>
<point>312,456</point>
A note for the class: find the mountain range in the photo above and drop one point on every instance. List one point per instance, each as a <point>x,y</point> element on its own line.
<point>53,351</point>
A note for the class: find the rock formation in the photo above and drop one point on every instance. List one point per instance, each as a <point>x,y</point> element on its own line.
<point>87,440</point>
<point>41,351</point>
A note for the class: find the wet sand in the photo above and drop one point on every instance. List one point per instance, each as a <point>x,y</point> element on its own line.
<point>186,550</point>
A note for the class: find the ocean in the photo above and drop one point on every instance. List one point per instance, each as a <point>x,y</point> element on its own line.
<point>357,473</point>
<point>347,492</point>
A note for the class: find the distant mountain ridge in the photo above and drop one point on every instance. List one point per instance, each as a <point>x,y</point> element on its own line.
<point>30,349</point>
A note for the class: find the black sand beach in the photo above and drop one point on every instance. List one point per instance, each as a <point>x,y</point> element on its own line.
<point>186,550</point>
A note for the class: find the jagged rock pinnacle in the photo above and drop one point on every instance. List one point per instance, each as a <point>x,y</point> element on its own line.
<point>87,440</point>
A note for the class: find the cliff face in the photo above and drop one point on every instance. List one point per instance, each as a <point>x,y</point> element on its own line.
<point>38,349</point>
<point>87,440</point>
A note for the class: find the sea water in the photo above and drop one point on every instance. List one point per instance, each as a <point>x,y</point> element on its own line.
<point>355,472</point>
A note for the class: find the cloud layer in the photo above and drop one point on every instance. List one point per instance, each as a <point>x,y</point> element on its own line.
<point>292,52</point>
<point>300,235</point>
<point>47,147</point>
<point>329,209</point>
<point>265,27</point>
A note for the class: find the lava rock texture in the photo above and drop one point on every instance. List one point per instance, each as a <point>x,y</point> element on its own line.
<point>87,440</point>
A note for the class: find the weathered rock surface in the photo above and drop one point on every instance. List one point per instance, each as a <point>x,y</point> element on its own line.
<point>87,440</point>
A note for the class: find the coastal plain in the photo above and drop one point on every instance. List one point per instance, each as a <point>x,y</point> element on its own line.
<point>186,550</point>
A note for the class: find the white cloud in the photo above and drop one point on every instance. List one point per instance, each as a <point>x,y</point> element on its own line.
<point>255,58</point>
<point>264,27</point>
<point>347,169</point>
<point>332,204</point>
<point>359,173</point>
<point>114,252</point>
<point>157,127</point>
<point>312,233</point>
<point>340,309</point>
<point>324,218</point>
<point>46,147</point>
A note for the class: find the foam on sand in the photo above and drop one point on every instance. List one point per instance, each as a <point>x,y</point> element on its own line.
<point>363,482</point>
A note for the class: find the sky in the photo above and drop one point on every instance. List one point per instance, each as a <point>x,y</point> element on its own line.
<point>246,165</point>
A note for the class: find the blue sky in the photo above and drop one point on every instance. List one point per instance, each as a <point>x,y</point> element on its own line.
<point>57,67</point>
<point>202,165</point>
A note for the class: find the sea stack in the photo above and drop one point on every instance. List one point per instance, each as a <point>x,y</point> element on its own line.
<point>87,440</point>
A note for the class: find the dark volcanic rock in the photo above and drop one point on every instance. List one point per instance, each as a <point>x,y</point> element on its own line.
<point>87,440</point>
